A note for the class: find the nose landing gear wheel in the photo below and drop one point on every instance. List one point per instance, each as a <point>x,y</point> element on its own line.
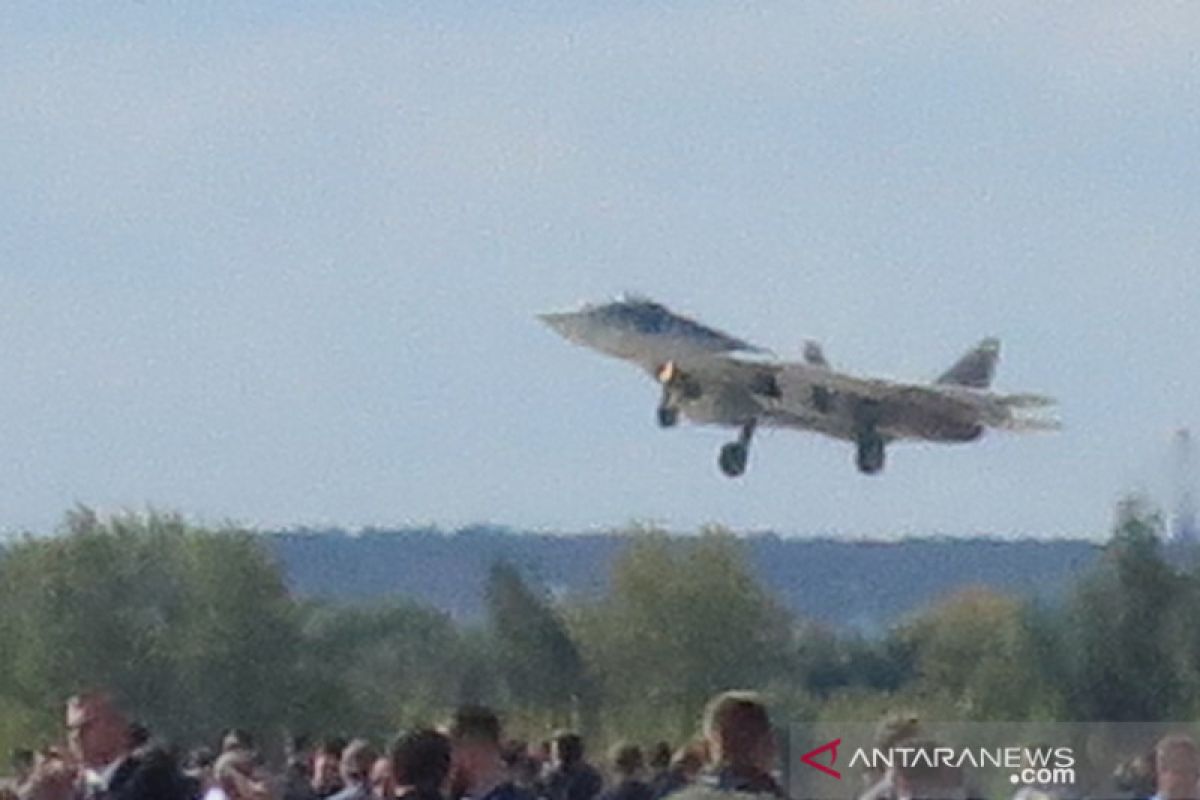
<point>871,453</point>
<point>733,459</point>
<point>667,416</point>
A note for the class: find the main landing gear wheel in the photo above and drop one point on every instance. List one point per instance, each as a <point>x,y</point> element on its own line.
<point>733,459</point>
<point>871,453</point>
<point>734,455</point>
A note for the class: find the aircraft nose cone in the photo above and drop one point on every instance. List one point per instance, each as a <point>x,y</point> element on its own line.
<point>565,324</point>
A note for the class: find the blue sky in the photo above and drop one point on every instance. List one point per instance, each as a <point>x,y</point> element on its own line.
<point>279,264</point>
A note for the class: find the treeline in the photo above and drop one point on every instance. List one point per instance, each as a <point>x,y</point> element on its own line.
<point>196,628</point>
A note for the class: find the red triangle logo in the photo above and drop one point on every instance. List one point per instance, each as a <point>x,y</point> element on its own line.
<point>832,747</point>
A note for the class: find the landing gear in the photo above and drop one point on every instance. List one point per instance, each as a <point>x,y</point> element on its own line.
<point>733,459</point>
<point>734,455</point>
<point>871,452</point>
<point>668,416</point>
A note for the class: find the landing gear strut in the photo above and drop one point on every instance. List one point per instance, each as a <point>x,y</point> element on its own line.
<point>871,452</point>
<point>734,455</point>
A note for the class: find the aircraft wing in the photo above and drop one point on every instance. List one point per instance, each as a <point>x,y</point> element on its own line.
<point>644,332</point>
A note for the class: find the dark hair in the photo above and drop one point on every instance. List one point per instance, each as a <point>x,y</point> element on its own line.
<point>513,752</point>
<point>421,758</point>
<point>298,743</point>
<point>333,746</point>
<point>201,758</point>
<point>478,723</point>
<point>357,759</point>
<point>139,734</point>
<point>660,757</point>
<point>626,758</point>
<point>737,722</point>
<point>570,747</point>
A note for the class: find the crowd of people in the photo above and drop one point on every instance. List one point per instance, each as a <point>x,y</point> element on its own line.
<point>108,757</point>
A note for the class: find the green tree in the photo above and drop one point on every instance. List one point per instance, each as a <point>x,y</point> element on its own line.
<point>372,669</point>
<point>974,647</point>
<point>1126,628</point>
<point>192,627</point>
<point>539,662</point>
<point>684,619</point>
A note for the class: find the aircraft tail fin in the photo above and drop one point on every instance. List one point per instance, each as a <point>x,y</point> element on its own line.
<point>975,369</point>
<point>814,355</point>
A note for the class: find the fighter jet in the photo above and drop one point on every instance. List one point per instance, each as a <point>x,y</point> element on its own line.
<point>712,378</point>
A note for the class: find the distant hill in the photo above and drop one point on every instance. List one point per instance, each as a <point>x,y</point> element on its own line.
<point>864,585</point>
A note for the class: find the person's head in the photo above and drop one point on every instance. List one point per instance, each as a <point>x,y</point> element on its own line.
<point>688,760</point>
<point>923,778</point>
<point>660,757</point>
<point>737,728</point>
<point>626,759</point>
<point>234,772</point>
<point>383,787</point>
<point>298,754</point>
<point>475,737</point>
<point>237,739</point>
<point>420,759</point>
<point>1136,776</point>
<point>97,730</point>
<point>326,765</point>
<point>566,748</point>
<point>1177,765</point>
<point>357,760</point>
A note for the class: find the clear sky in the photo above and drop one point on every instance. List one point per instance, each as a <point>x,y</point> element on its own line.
<point>279,264</point>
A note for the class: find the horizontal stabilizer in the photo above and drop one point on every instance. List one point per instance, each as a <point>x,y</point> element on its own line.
<point>1028,400</point>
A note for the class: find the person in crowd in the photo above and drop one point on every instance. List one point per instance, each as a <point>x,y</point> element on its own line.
<point>235,779</point>
<point>571,777</point>
<point>659,762</point>
<point>926,779</point>
<point>383,785</point>
<point>1176,768</point>
<point>686,764</point>
<point>357,760</point>
<point>53,777</point>
<point>420,761</point>
<point>523,767</point>
<point>628,764</point>
<point>296,782</point>
<point>1136,776</point>
<point>478,768</point>
<point>8,790</point>
<point>98,732</point>
<point>139,736</point>
<point>741,747</point>
<point>326,770</point>
<point>198,771</point>
<point>892,731</point>
<point>237,739</point>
